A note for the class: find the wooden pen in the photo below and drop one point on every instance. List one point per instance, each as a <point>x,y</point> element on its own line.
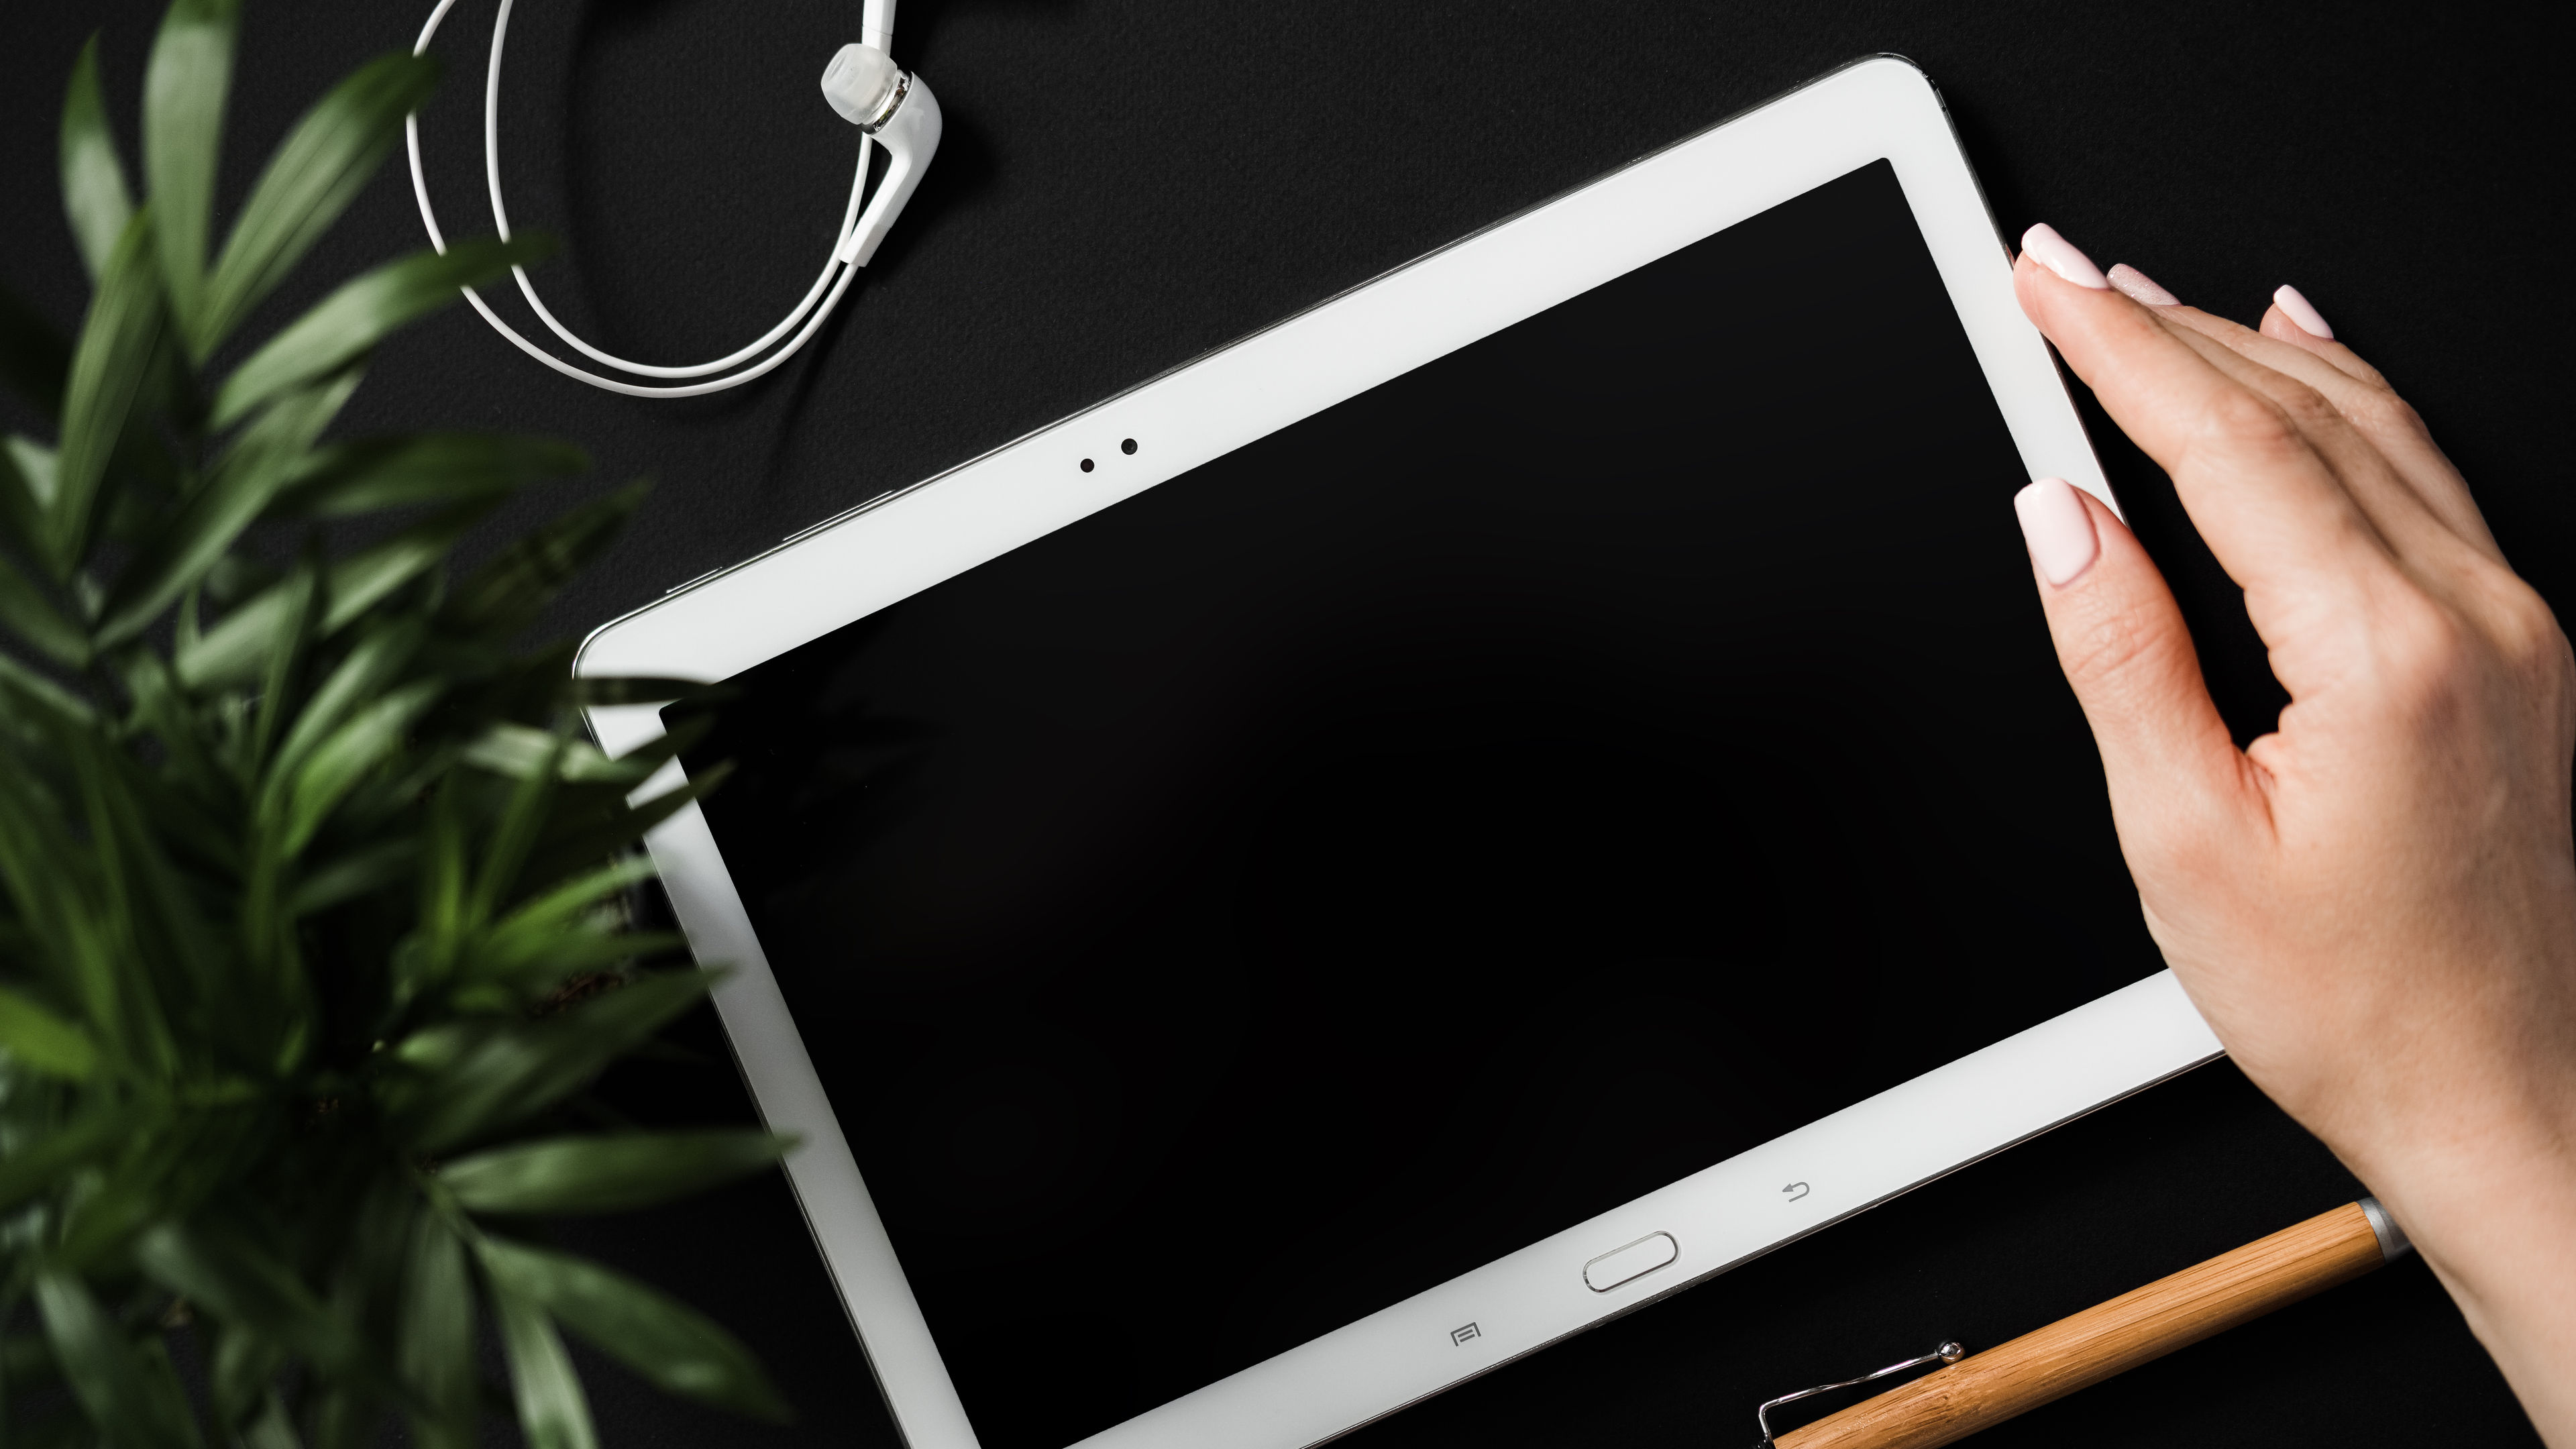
<point>1977,1390</point>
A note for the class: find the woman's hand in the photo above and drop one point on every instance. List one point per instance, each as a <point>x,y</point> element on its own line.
<point>2375,904</point>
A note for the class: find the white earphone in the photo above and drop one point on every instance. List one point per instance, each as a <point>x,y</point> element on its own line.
<point>887,104</point>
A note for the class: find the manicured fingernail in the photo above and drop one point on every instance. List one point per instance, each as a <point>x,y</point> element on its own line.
<point>2138,287</point>
<point>2302,311</point>
<point>2059,255</point>
<point>2058,528</point>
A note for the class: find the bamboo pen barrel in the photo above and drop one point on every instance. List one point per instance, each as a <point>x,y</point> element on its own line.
<point>1953,1402</point>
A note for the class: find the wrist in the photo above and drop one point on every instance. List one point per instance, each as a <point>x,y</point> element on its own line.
<point>2492,1207</point>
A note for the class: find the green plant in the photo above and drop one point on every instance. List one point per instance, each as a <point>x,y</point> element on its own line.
<point>310,901</point>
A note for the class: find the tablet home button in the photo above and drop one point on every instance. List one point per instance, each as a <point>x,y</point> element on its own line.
<point>1636,1260</point>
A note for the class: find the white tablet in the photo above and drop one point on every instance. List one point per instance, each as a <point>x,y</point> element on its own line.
<point>1486,803</point>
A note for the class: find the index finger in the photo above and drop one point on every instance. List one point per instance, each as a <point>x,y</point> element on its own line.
<point>2271,509</point>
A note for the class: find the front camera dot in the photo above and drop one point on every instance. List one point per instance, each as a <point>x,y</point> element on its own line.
<point>1086,465</point>
<point>1128,446</point>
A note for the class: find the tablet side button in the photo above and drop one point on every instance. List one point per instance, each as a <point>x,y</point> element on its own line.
<point>1639,1258</point>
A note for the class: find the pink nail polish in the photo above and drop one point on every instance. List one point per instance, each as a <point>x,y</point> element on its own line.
<point>2138,287</point>
<point>2059,255</point>
<point>2302,311</point>
<point>2058,528</point>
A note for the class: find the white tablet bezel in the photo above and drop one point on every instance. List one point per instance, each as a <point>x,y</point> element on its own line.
<point>909,540</point>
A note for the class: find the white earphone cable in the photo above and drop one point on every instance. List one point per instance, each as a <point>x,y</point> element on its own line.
<point>805,311</point>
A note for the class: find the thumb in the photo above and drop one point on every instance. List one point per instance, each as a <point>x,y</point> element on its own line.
<point>2122,642</point>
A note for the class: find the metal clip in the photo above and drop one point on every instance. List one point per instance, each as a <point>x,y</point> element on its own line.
<point>1947,1353</point>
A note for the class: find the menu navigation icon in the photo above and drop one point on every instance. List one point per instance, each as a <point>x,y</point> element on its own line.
<point>1461,1335</point>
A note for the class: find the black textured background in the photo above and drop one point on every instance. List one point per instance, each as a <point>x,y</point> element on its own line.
<point>1126,183</point>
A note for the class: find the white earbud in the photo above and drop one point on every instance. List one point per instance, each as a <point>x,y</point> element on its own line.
<point>859,82</point>
<point>865,86</point>
<point>871,93</point>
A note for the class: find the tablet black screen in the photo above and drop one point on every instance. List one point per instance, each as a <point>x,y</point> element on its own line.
<point>1550,773</point>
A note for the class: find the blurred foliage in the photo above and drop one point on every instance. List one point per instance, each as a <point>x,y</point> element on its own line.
<point>311,899</point>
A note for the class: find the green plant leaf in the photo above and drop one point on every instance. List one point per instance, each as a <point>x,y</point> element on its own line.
<point>344,757</point>
<point>679,1351</point>
<point>112,1383</point>
<point>108,368</point>
<point>43,1042</point>
<point>548,939</point>
<point>237,578</point>
<point>299,620</point>
<point>606,1174</point>
<point>316,172</point>
<point>184,89</point>
<point>28,473</point>
<point>240,846</point>
<point>544,920</point>
<point>144,453</point>
<point>355,873</point>
<point>127,1019</point>
<point>167,1399</point>
<point>175,959</point>
<point>425,958</point>
<point>274,1428</point>
<point>441,468</point>
<point>234,651</point>
<point>205,526</point>
<point>167,1174</point>
<point>342,327</point>
<point>586,952</point>
<point>49,1162</point>
<point>684,735</point>
<point>200,788</point>
<point>231,1274</point>
<point>521,820</point>
<point>26,1362</point>
<point>33,356</point>
<point>437,1337</point>
<point>61,891</point>
<point>32,617</point>
<point>129,835</point>
<point>504,595</point>
<point>603,689</point>
<point>245,1366</point>
<point>95,197</point>
<point>39,469</point>
<point>344,1417</point>
<point>553,1414</point>
<point>487,1076</point>
<point>132,912</point>
<point>27,696</point>
<point>363,580</point>
<point>518,751</point>
<point>371,667</point>
<point>615,827</point>
<point>366,1274</point>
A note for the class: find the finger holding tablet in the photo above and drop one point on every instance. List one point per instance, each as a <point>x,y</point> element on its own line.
<point>2359,394</point>
<point>2374,905</point>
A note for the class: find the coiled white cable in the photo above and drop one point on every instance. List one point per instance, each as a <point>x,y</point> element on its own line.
<point>828,287</point>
